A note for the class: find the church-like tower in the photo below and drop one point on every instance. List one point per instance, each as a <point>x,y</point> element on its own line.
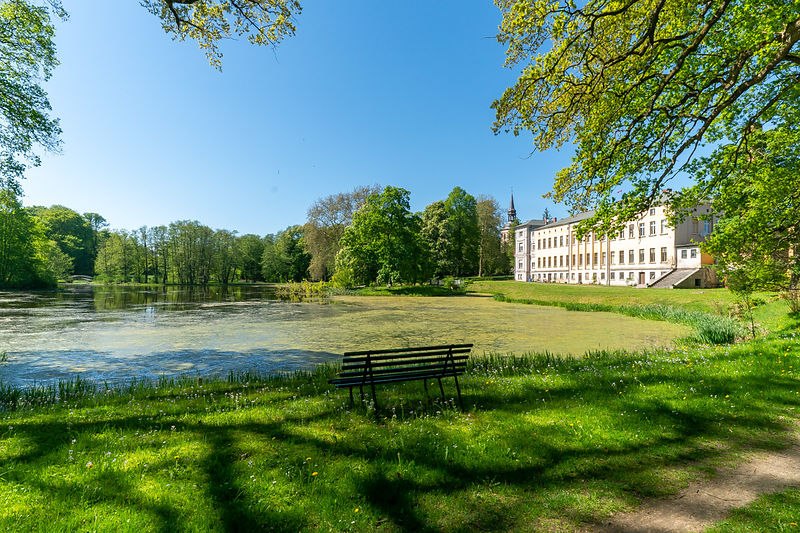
<point>512,213</point>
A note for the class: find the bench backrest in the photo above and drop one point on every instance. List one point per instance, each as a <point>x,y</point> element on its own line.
<point>444,360</point>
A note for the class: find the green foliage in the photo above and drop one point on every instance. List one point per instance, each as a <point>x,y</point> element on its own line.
<point>251,250</point>
<point>27,58</point>
<point>263,22</point>
<point>285,258</point>
<point>639,86</point>
<point>449,230</point>
<point>327,219</point>
<point>754,188</point>
<point>492,260</point>
<point>72,232</point>
<point>24,251</point>
<point>382,244</point>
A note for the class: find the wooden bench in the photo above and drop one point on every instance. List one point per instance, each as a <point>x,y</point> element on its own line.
<point>374,367</point>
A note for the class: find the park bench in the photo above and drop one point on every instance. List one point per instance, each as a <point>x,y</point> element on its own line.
<point>375,367</point>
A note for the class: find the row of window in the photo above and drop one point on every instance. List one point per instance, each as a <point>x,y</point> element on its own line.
<point>592,259</point>
<point>621,276</point>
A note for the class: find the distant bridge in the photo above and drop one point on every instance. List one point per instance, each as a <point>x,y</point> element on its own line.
<point>78,277</point>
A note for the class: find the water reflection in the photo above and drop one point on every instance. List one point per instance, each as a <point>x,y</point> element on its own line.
<point>114,333</point>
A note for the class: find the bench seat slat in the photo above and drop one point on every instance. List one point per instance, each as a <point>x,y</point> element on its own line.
<point>405,363</point>
<point>440,368</point>
<point>392,378</point>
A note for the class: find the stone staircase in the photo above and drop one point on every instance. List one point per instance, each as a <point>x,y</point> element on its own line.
<point>672,278</point>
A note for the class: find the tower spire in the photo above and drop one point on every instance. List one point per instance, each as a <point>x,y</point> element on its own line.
<point>512,213</point>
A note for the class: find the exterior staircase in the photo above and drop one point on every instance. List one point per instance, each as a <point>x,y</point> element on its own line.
<point>672,278</point>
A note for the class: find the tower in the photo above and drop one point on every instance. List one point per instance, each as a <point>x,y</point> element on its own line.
<point>512,213</point>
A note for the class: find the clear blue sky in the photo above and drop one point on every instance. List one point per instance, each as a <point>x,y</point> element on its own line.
<point>394,93</point>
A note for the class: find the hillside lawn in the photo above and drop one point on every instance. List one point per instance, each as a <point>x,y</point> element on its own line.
<point>545,442</point>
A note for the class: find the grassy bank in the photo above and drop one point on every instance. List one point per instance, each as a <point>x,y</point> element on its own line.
<point>544,442</point>
<point>713,313</point>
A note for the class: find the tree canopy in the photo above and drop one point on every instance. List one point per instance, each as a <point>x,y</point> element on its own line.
<point>640,85</point>
<point>27,59</point>
<point>262,22</point>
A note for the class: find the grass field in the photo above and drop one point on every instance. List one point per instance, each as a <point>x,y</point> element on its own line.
<point>544,442</point>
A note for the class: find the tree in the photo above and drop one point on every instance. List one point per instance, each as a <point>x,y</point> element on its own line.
<point>71,231</point>
<point>640,85</point>
<point>20,263</point>
<point>383,244</point>
<point>756,240</point>
<point>327,219</point>
<point>285,257</point>
<point>97,225</point>
<point>491,259</point>
<point>434,235</point>
<point>27,59</point>
<point>263,22</point>
<point>250,251</point>
<point>464,235</point>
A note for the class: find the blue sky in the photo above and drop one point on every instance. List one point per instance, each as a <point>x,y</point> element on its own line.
<point>394,93</point>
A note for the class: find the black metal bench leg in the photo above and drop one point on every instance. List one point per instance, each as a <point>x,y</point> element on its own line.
<point>352,403</point>
<point>458,390</point>
<point>427,397</point>
<point>441,389</point>
<point>374,398</point>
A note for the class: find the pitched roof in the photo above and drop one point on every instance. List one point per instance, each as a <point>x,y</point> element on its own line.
<point>568,220</point>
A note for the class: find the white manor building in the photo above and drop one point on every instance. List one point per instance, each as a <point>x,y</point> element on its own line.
<point>648,252</point>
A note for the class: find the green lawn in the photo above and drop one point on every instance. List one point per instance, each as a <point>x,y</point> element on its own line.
<point>553,443</point>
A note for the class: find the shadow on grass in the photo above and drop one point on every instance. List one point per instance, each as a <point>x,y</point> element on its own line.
<point>534,450</point>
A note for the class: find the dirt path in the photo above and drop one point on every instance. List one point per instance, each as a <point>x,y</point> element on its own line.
<point>705,502</point>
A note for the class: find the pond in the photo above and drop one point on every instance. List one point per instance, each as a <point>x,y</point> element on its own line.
<point>112,334</point>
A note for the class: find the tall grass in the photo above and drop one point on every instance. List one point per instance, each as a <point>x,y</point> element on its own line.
<point>709,328</point>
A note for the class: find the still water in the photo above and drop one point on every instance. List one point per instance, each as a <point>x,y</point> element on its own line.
<point>112,334</point>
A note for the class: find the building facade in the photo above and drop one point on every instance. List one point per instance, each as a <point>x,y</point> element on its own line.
<point>648,252</point>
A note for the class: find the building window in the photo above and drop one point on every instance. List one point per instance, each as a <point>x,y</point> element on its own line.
<point>549,262</point>
<point>694,226</point>
<point>622,234</point>
<point>573,259</point>
<point>630,256</point>
<point>652,227</point>
<point>580,259</point>
<point>693,253</point>
<point>587,260</point>
<point>652,211</point>
<point>603,259</point>
<point>594,259</point>
<point>652,255</point>
<point>683,254</point>
<point>549,243</point>
<point>652,275</point>
<point>602,275</point>
<point>706,227</point>
<point>664,255</point>
<point>538,262</point>
<point>561,241</point>
<point>520,265</point>
<point>641,255</point>
<point>520,234</point>
<point>663,225</point>
<point>519,247</point>
<point>630,231</point>
<point>561,260</point>
<point>641,229</point>
<point>622,257</point>
<point>613,276</point>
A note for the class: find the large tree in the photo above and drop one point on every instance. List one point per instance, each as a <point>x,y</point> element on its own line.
<point>492,260</point>
<point>327,219</point>
<point>640,85</point>
<point>383,243</point>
